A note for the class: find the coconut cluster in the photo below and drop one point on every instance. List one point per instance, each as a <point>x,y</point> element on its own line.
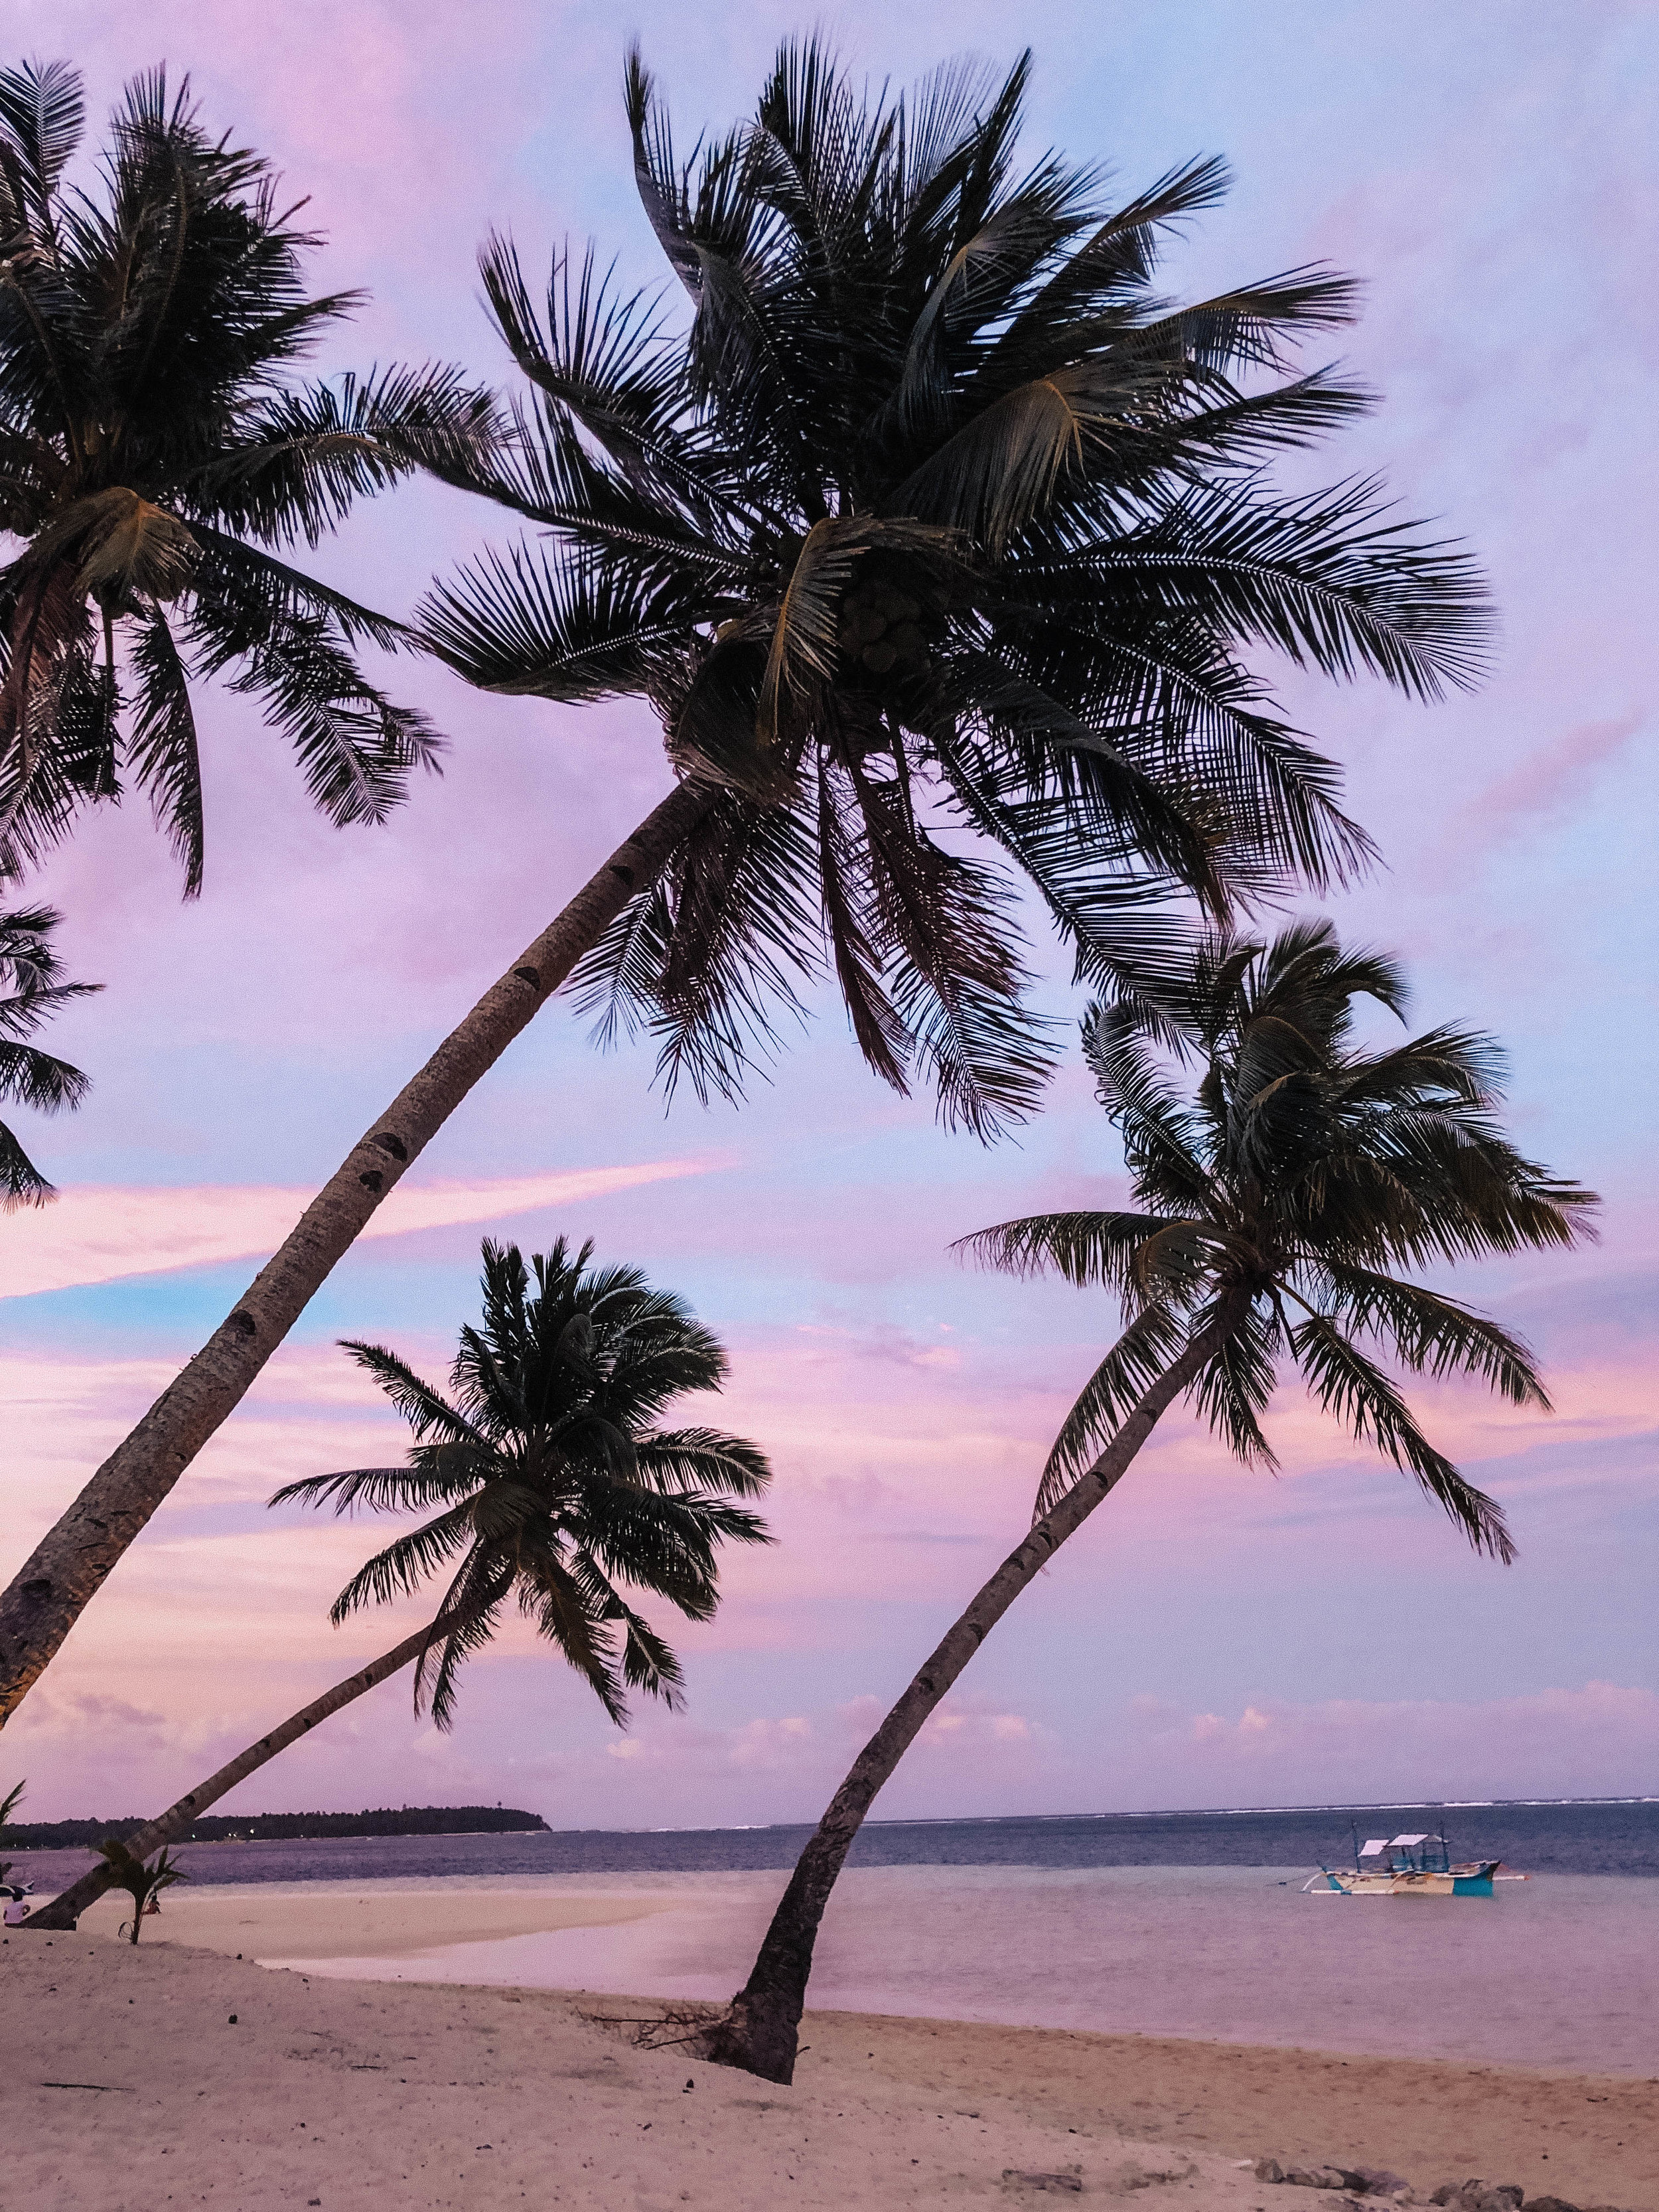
<point>888,624</point>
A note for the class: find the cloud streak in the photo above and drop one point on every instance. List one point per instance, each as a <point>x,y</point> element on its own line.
<point>98,1234</point>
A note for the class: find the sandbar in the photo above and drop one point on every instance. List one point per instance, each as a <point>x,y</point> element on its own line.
<point>346,1920</point>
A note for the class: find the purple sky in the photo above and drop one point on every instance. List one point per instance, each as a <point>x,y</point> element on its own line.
<point>1215,1636</point>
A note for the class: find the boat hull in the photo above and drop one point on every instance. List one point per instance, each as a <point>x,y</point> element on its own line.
<point>1455,1881</point>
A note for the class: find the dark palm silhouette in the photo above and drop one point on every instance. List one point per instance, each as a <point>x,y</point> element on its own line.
<point>941,549</point>
<point>544,1480</point>
<point>31,978</point>
<point>157,460</point>
<point>1276,1203</point>
<point>935,539</point>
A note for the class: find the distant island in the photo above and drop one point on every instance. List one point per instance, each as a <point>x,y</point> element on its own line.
<point>285,1827</point>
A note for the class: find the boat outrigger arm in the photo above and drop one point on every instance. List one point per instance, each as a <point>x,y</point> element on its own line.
<point>1408,1866</point>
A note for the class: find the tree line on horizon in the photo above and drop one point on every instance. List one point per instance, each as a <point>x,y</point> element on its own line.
<point>283,1827</point>
<point>919,512</point>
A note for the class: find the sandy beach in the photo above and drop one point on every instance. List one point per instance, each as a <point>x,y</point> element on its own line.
<point>130,2085</point>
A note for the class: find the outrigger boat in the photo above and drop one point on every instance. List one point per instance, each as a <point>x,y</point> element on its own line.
<point>1406,1866</point>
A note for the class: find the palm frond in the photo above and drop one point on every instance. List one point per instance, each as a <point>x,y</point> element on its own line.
<point>1237,1383</point>
<point>1161,1137</point>
<point>1432,1334</point>
<point>1327,580</point>
<point>1084,1248</point>
<point>1348,1385</point>
<point>304,456</point>
<point>22,1183</point>
<point>711,957</point>
<point>356,748</point>
<point>1134,1363</point>
<point>406,1563</point>
<point>162,750</point>
<point>42,112</point>
<point>556,626</point>
<point>261,584</point>
<point>428,1412</point>
<point>33,1077</point>
<point>698,1459</point>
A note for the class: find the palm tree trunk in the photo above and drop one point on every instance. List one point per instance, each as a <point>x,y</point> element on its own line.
<point>67,1907</point>
<point>760,2031</point>
<point>45,1598</point>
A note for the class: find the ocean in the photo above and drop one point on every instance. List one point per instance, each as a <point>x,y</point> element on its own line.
<point>1613,1836</point>
<point>1559,1971</point>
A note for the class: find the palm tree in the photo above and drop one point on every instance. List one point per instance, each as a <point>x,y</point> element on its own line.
<point>1272,1207</point>
<point>545,1479</point>
<point>30,976</point>
<point>156,460</point>
<point>8,1805</point>
<point>941,549</point>
<point>124,1868</point>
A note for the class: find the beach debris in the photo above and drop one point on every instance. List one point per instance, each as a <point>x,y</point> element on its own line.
<point>1376,2182</point>
<point>1012,2178</point>
<point>1353,2180</point>
<point>658,2031</point>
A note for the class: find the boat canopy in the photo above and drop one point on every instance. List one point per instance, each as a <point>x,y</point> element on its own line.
<point>1407,1843</point>
<point>1376,1844</point>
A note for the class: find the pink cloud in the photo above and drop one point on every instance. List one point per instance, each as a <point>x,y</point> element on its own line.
<point>97,1234</point>
<point>1553,777</point>
<point>1601,1737</point>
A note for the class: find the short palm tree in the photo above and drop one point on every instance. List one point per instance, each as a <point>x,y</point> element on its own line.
<point>31,975</point>
<point>544,1480</point>
<point>124,1868</point>
<point>1275,1207</point>
<point>939,545</point>
<point>157,460</point>
<point>8,1805</point>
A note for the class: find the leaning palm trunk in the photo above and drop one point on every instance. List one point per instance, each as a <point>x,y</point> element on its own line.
<point>759,2032</point>
<point>66,1908</point>
<point>45,1597</point>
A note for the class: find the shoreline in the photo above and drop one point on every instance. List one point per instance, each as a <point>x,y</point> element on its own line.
<point>128,2080</point>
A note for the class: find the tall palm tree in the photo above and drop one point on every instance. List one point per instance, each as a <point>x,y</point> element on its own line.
<point>544,1479</point>
<point>941,547</point>
<point>1274,1206</point>
<point>156,461</point>
<point>30,977</point>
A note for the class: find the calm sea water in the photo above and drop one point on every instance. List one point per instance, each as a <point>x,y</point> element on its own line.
<point>1561,1971</point>
<point>1616,1837</point>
